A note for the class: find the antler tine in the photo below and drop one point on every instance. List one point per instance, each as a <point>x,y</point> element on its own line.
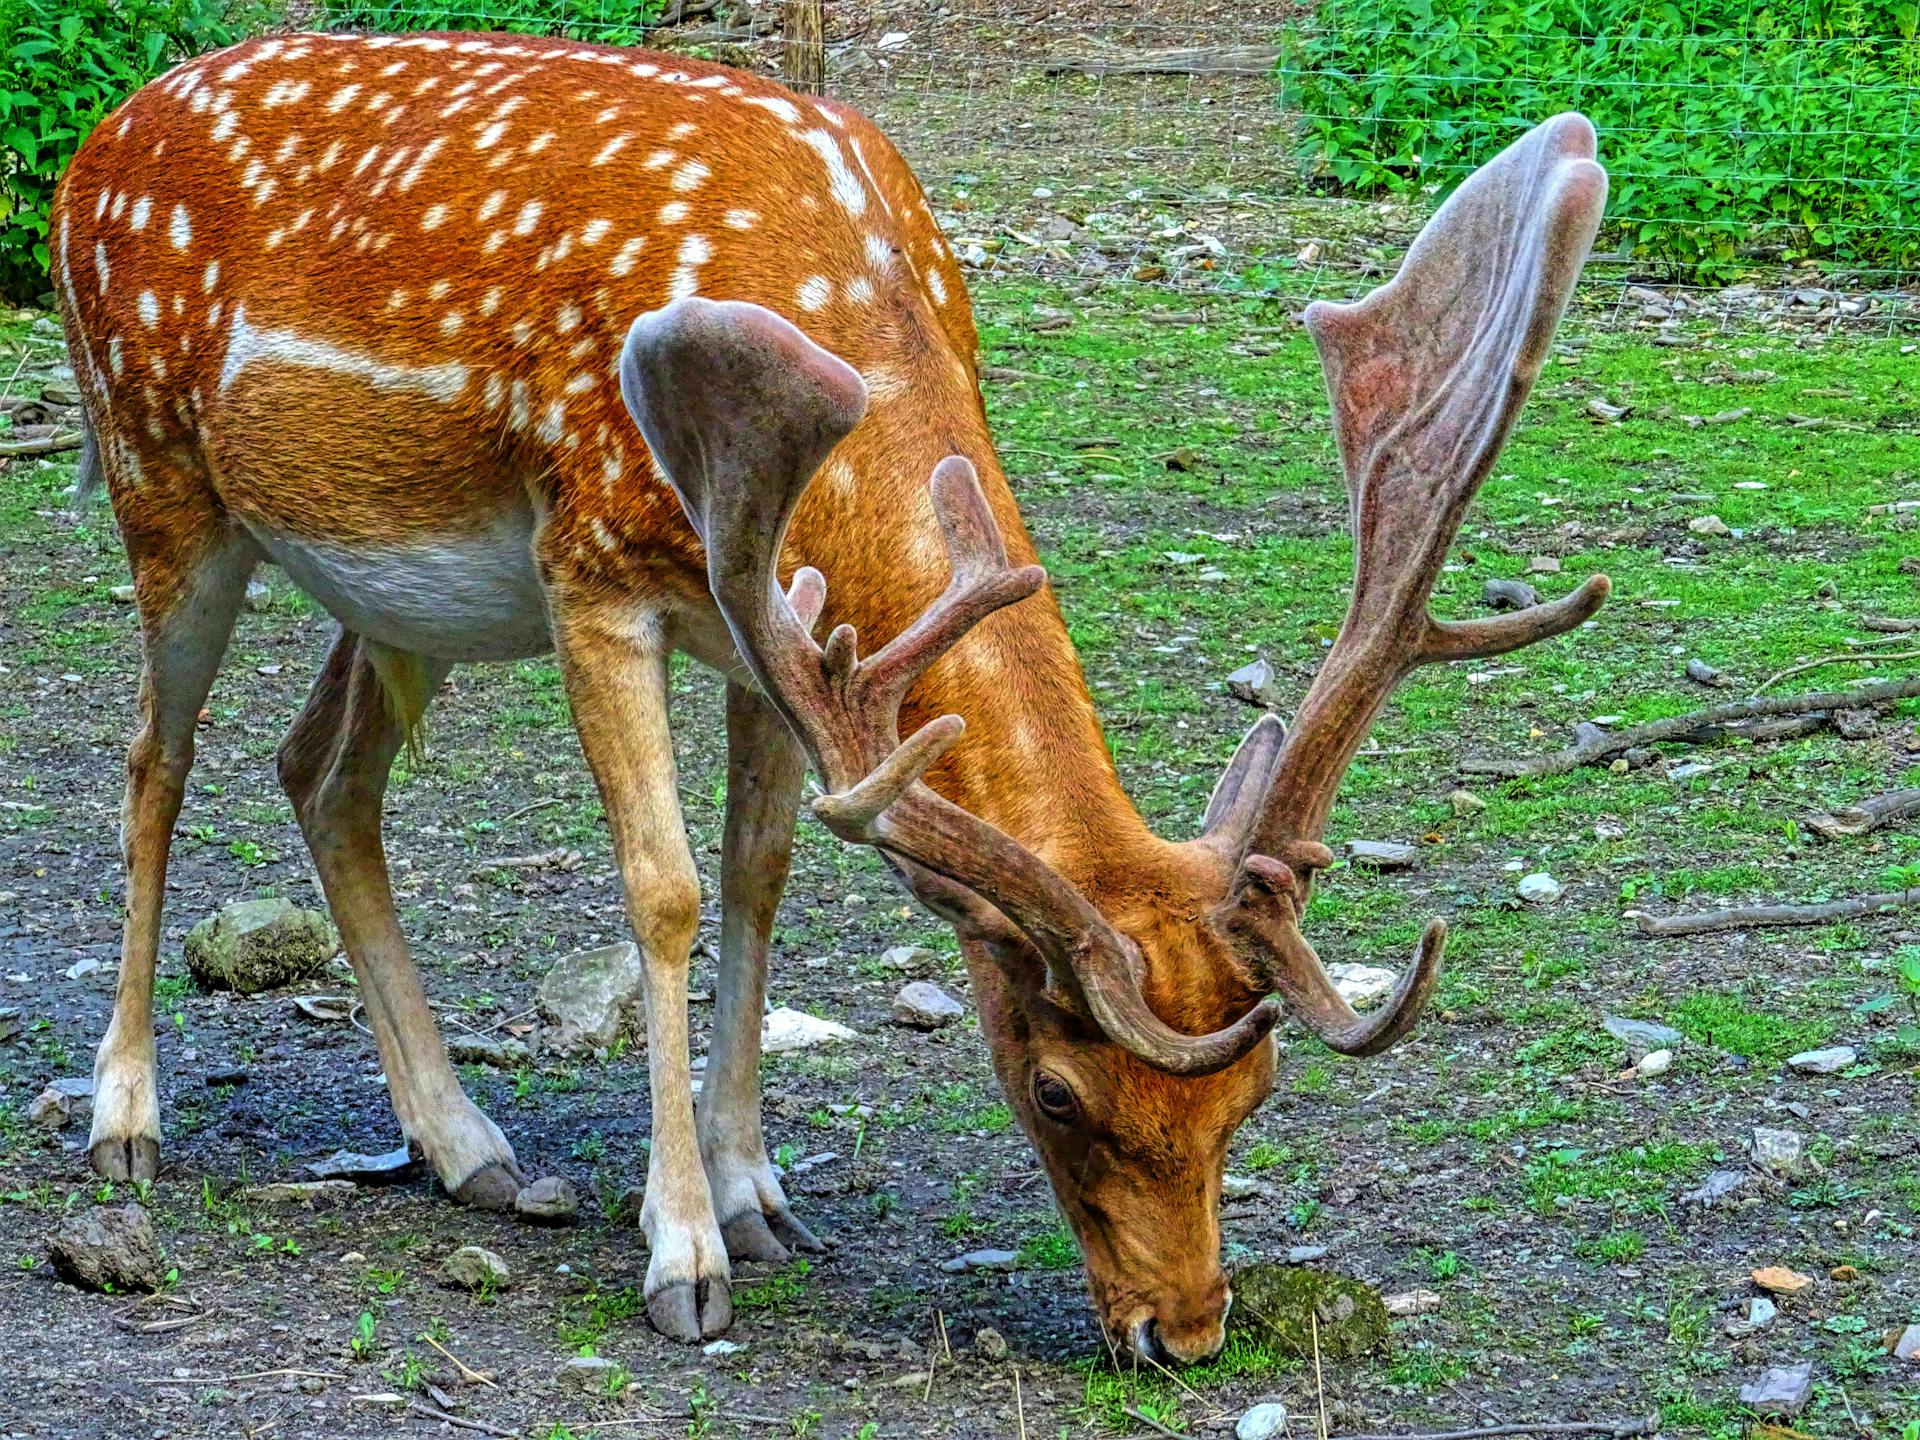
<point>1427,375</point>
<point>739,408</point>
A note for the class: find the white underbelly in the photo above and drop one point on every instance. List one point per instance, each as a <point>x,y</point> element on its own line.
<point>473,596</point>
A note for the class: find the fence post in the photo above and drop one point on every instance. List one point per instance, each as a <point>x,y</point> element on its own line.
<point>803,60</point>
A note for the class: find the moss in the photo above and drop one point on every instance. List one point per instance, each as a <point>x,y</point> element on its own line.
<point>254,945</point>
<point>1277,1304</point>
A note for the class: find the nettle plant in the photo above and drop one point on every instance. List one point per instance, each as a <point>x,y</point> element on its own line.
<point>64,64</point>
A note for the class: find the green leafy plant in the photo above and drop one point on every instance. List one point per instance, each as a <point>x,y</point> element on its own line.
<point>64,65</point>
<point>613,22</point>
<point>1719,119</point>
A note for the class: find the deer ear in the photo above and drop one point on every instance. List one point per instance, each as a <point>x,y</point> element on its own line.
<point>1238,796</point>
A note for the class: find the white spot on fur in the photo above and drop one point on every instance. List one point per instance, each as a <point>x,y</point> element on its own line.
<point>841,180</point>
<point>568,320</point>
<point>491,206</point>
<point>689,176</point>
<point>742,219</point>
<point>490,136</point>
<point>99,264</point>
<point>210,276</point>
<point>442,382</point>
<point>594,231</point>
<point>149,309</point>
<point>785,109</point>
<point>342,98</point>
<point>659,160</point>
<point>815,292</point>
<point>434,218</point>
<point>142,209</point>
<point>673,212</point>
<point>937,286</point>
<point>626,256</point>
<point>528,218</point>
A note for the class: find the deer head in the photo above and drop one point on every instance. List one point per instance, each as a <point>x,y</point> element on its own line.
<point>1129,1026</point>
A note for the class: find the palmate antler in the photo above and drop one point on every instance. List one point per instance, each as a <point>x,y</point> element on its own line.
<point>1426,376</point>
<point>739,408</point>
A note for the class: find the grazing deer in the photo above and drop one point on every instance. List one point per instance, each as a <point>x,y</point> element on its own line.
<point>366,307</point>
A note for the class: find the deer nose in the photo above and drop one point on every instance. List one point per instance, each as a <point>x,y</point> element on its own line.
<point>1155,1343</point>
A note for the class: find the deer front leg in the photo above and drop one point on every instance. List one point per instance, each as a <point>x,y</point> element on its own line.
<point>765,766</point>
<point>187,614</point>
<point>614,662</point>
<point>334,766</point>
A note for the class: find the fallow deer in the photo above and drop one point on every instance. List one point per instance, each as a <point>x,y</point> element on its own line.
<point>448,238</point>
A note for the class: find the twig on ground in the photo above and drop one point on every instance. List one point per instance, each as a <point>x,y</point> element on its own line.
<point>933,1361</point>
<point>946,1350</point>
<point>467,1372</point>
<point>1869,814</point>
<point>236,1379</point>
<point>1757,917</point>
<point>1151,1423</point>
<point>1891,624</point>
<point>459,1422</point>
<point>1007,372</point>
<point>1597,744</point>
<point>43,445</point>
<point>1619,1428</point>
<point>1019,1404</point>
<point>1825,660</point>
<point>526,810</point>
<point>1319,1386</point>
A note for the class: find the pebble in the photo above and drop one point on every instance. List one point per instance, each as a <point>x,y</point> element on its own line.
<point>1412,1302</point>
<point>1782,1390</point>
<point>1905,1344</point>
<point>550,1200</point>
<point>923,1005</point>
<point>1641,1037</point>
<point>1830,1061</point>
<point>1306,1254</point>
<point>1760,1311</point>
<point>474,1268</point>
<point>587,1371</point>
<point>784,1030</point>
<point>1383,854</point>
<point>80,969</point>
<point>719,1348</point>
<point>1653,1063</point>
<point>1781,1151</point>
<point>1782,1281</point>
<point>981,1260</point>
<point>1465,802</point>
<point>990,1344</point>
<point>1255,684</point>
<point>1715,1188</point>
<point>1361,984</point>
<point>364,1169</point>
<point>1540,888</point>
<point>1240,1187</point>
<point>909,957</point>
<point>1262,1422</point>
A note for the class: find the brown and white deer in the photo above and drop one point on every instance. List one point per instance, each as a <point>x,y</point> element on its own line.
<point>365,307</point>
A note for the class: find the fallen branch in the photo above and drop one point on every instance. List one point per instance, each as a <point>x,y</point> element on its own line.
<point>1825,660</point>
<point>1869,814</point>
<point>1620,1428</point>
<point>1757,917</point>
<point>42,444</point>
<point>1890,624</point>
<point>1151,1423</point>
<point>1257,60</point>
<point>459,1422</point>
<point>1597,744</point>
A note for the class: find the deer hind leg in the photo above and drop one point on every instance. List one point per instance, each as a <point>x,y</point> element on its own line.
<point>614,663</point>
<point>764,769</point>
<point>187,611</point>
<point>334,765</point>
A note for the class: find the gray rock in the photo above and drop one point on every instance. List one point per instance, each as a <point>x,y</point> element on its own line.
<point>1783,1390</point>
<point>981,1260</point>
<point>1465,802</point>
<point>589,1372</point>
<point>61,1102</point>
<point>1306,1254</point>
<point>1255,684</point>
<point>787,1029</point>
<point>473,1268</point>
<point>259,595</point>
<point>1240,1187</point>
<point>592,995</point>
<point>1832,1060</point>
<point>1717,1187</point>
<point>1383,854</point>
<point>314,1194</point>
<point>107,1250</point>
<point>364,1169</point>
<point>255,945</point>
<point>80,969</point>
<point>506,1054</point>
<point>1509,595</point>
<point>1540,888</point>
<point>990,1344</point>
<point>1760,1311</point>
<point>1262,1422</point>
<point>718,1349</point>
<point>909,957</point>
<point>1361,985</point>
<point>923,1005</point>
<point>1783,1152</point>
<point>1905,1344</point>
<point>1653,1063</point>
<point>1641,1037</point>
<point>1709,525</point>
<point>551,1200</point>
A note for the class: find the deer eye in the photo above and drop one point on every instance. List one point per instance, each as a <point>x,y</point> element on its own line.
<point>1054,1096</point>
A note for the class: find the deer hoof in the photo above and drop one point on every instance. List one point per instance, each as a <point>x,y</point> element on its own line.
<point>691,1311</point>
<point>749,1237</point>
<point>492,1187</point>
<point>131,1157</point>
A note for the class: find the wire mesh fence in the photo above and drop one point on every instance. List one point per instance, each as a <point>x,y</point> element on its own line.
<point>1765,161</point>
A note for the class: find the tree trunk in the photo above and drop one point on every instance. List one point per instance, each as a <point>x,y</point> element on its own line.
<point>803,62</point>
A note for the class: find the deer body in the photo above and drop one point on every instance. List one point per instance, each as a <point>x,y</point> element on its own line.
<point>366,307</point>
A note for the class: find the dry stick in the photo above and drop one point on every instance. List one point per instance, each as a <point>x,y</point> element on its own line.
<point>467,1371</point>
<point>1825,660</point>
<point>1150,1422</point>
<point>1618,1428</point>
<point>45,445</point>
<point>1755,917</point>
<point>1869,814</point>
<point>529,809</point>
<point>235,1379</point>
<point>1602,743</point>
<point>1019,1404</point>
<point>1890,624</point>
<point>1319,1388</point>
<point>459,1422</point>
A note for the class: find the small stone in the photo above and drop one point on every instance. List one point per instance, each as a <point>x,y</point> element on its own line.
<point>314,1194</point>
<point>1781,1151</point>
<point>259,595</point>
<point>1717,1187</point>
<point>1262,1422</point>
<point>108,1250</point>
<point>1240,1187</point>
<point>255,945</point>
<point>1509,595</point>
<point>1361,985</point>
<point>990,1344</point>
<point>502,1054</point>
<point>327,1008</point>
<point>1760,1311</point>
<point>923,1005</point>
<point>1306,1254</point>
<point>364,1169</point>
<point>1701,673</point>
<point>1845,1274</point>
<point>719,1349</point>
<point>785,1030</point>
<point>1781,1391</point>
<point>1255,684</point>
<point>1383,854</point>
<point>1540,888</point>
<point>1412,1302</point>
<point>1780,1280</point>
<point>1709,525</point>
<point>1543,565</point>
<point>592,995</point>
<point>589,1372</point>
<point>981,1260</point>
<point>1905,1344</point>
<point>909,957</point>
<point>1465,802</point>
<point>1653,1063</point>
<point>80,969</point>
<point>122,593</point>
<point>473,1268</point>
<point>1641,1037</point>
<point>550,1200</point>
<point>1830,1061</point>
<point>61,1102</point>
